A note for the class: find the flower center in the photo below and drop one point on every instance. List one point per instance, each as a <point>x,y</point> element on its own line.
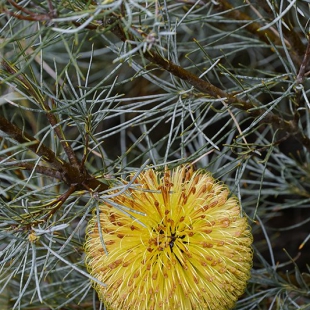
<point>163,238</point>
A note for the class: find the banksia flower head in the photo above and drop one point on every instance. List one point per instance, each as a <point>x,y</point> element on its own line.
<point>193,250</point>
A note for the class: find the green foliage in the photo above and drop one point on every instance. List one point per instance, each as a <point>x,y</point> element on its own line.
<point>93,90</point>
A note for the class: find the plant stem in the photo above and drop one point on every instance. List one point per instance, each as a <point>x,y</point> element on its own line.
<point>70,175</point>
<point>276,121</point>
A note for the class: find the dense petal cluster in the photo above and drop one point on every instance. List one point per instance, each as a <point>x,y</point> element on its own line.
<point>193,250</point>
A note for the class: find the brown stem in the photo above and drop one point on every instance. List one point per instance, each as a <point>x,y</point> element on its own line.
<point>58,130</point>
<point>48,171</point>
<point>20,8</point>
<point>265,36</point>
<point>305,62</point>
<point>50,116</point>
<point>86,142</point>
<point>60,201</point>
<point>52,11</point>
<point>277,121</point>
<point>187,76</point>
<point>292,37</point>
<point>70,174</point>
<point>178,71</point>
<point>31,16</point>
<point>22,137</point>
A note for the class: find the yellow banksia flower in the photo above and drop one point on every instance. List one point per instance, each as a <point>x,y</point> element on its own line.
<point>190,248</point>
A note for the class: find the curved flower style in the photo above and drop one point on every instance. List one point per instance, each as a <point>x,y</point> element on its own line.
<point>193,250</point>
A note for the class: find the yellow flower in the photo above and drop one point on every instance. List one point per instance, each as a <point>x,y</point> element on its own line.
<point>193,250</point>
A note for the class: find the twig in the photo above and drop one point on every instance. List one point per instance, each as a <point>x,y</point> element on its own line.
<point>75,177</point>
<point>59,201</point>
<point>50,116</point>
<point>70,174</point>
<point>30,15</point>
<point>305,62</point>
<point>73,173</point>
<point>277,122</point>
<point>58,130</point>
<point>254,27</point>
<point>40,149</point>
<point>48,171</point>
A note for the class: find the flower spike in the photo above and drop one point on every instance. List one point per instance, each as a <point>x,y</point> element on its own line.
<point>194,251</point>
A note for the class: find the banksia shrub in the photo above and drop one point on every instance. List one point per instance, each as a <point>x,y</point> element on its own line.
<point>182,245</point>
<point>92,91</point>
